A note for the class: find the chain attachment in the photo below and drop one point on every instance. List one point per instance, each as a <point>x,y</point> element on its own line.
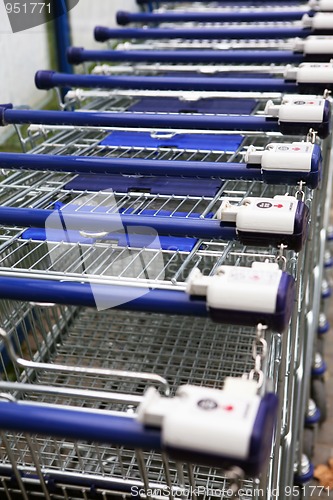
<point>327,93</point>
<point>281,258</point>
<point>300,194</point>
<point>311,136</point>
<point>259,354</point>
<point>235,475</point>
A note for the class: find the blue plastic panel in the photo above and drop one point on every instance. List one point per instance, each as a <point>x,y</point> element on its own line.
<point>58,205</point>
<point>136,240</point>
<point>205,142</point>
<point>121,238</point>
<point>215,106</point>
<point>155,185</point>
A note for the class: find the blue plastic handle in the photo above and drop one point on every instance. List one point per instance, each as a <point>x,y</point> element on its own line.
<point>155,300</point>
<point>138,166</point>
<point>70,218</point>
<point>93,221</point>
<point>141,120</point>
<point>102,34</point>
<point>124,18</point>
<point>81,294</point>
<point>45,80</point>
<point>127,166</point>
<point>75,424</point>
<point>72,423</point>
<point>78,55</point>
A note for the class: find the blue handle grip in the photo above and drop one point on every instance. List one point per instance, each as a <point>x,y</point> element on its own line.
<point>80,294</point>
<point>141,120</point>
<point>154,300</point>
<point>75,424</point>
<point>78,55</point>
<point>137,166</point>
<point>70,218</point>
<point>124,18</point>
<point>46,80</point>
<point>102,34</point>
<point>128,166</point>
<point>127,432</point>
<point>93,221</point>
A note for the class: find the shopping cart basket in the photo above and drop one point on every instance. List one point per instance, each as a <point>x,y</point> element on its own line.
<point>43,277</point>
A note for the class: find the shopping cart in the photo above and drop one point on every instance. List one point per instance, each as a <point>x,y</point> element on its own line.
<point>37,470</point>
<point>94,477</point>
<point>319,24</point>
<point>81,468</point>
<point>106,369</point>
<point>312,49</point>
<point>293,116</point>
<point>307,78</point>
<point>22,251</point>
<point>275,49</point>
<point>36,253</point>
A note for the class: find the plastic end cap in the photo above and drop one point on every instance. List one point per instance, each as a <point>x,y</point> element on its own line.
<point>43,79</point>
<point>122,18</point>
<point>101,34</point>
<point>3,108</point>
<point>327,115</point>
<point>74,55</point>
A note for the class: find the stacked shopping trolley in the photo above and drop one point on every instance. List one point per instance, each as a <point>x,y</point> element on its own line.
<point>164,260</point>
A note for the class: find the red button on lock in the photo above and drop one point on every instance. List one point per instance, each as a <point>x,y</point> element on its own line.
<point>227,408</point>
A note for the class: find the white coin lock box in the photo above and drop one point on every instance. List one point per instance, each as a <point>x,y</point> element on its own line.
<point>268,221</point>
<point>301,161</point>
<point>319,23</point>
<point>321,5</point>
<point>222,428</point>
<point>297,114</point>
<point>315,48</point>
<point>246,295</point>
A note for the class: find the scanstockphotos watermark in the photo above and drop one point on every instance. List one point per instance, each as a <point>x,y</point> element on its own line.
<point>78,236</point>
<point>224,493</point>
<point>26,14</point>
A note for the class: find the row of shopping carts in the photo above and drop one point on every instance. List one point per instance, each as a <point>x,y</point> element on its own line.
<point>164,260</point>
